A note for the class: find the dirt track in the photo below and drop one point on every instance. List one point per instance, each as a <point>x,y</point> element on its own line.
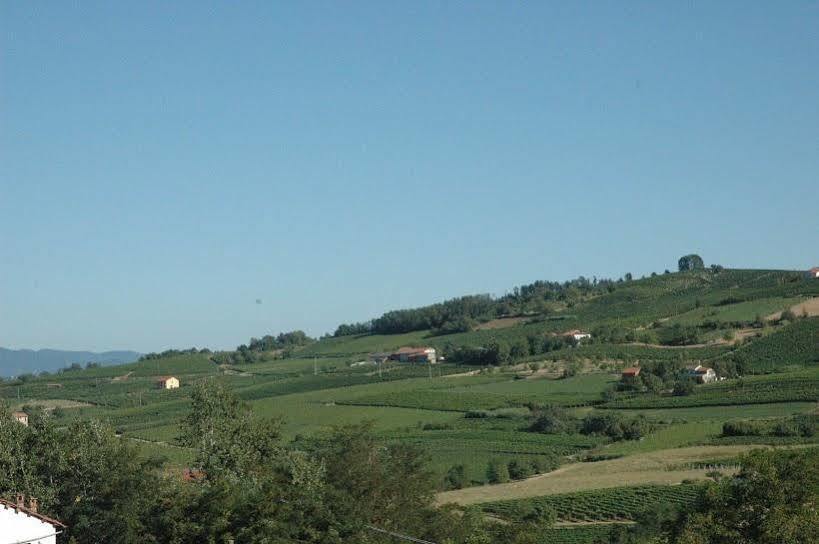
<point>809,307</point>
<point>641,469</point>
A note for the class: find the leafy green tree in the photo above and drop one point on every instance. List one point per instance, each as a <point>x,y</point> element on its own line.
<point>652,382</point>
<point>683,387</point>
<point>497,472</point>
<point>498,352</point>
<point>455,477</point>
<point>518,470</point>
<point>772,500</point>
<point>229,443</point>
<point>690,262</point>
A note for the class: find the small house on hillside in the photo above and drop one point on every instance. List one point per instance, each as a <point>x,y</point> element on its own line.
<point>193,475</point>
<point>415,355</point>
<point>702,374</point>
<point>814,272</point>
<point>167,382</point>
<point>21,523</point>
<point>22,417</point>
<point>631,372</point>
<point>578,335</point>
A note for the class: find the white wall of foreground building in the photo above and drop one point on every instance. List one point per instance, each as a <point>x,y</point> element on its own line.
<point>18,527</point>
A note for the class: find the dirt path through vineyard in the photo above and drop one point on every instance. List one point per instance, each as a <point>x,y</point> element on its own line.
<point>663,467</point>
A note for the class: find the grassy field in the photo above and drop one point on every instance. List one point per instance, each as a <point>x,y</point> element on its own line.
<point>655,468</point>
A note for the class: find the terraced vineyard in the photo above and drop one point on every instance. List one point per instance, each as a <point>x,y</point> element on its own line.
<point>588,534</point>
<point>797,344</point>
<point>617,503</point>
<point>753,390</point>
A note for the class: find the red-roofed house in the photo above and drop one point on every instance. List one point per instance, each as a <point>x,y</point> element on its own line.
<point>631,372</point>
<point>813,272</point>
<point>414,355</point>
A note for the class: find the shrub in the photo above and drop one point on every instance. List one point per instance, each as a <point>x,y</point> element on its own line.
<point>455,477</point>
<point>615,426</point>
<point>552,420</point>
<point>518,470</point>
<point>497,472</point>
<point>683,387</point>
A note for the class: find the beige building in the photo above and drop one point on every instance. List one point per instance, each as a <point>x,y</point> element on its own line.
<point>703,374</point>
<point>22,417</point>
<point>167,382</point>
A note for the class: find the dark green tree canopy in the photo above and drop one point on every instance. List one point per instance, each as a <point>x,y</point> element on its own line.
<point>690,262</point>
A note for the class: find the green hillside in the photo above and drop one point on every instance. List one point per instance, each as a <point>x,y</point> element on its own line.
<point>513,398</point>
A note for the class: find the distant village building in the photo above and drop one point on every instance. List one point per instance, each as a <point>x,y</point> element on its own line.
<point>813,272</point>
<point>702,374</point>
<point>22,417</point>
<point>167,382</point>
<point>414,355</point>
<point>631,372</point>
<point>21,523</point>
<point>578,335</point>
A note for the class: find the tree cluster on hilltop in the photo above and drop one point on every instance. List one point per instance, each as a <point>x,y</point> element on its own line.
<point>462,313</point>
<point>281,344</point>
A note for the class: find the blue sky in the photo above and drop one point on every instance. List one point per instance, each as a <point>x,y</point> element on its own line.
<point>164,165</point>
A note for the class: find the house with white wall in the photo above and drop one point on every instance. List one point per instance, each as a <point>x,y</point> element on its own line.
<point>21,523</point>
<point>167,382</point>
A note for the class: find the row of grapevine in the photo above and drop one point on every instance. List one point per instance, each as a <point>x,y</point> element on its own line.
<point>619,503</point>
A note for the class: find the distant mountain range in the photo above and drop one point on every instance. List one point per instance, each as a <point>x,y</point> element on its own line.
<point>14,362</point>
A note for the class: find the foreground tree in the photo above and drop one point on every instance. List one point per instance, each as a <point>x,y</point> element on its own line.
<point>772,500</point>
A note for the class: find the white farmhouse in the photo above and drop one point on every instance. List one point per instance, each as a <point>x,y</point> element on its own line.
<point>578,335</point>
<point>20,524</point>
<point>702,374</point>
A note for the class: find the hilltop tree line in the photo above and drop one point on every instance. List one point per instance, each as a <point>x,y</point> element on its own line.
<point>282,345</point>
<point>461,314</point>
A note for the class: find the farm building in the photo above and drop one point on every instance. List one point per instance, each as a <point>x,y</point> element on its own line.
<point>813,272</point>
<point>21,523</point>
<point>631,372</point>
<point>167,382</point>
<point>578,335</point>
<point>22,417</point>
<point>414,355</point>
<point>702,374</point>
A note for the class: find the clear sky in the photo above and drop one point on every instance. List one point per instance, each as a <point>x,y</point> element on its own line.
<point>163,165</point>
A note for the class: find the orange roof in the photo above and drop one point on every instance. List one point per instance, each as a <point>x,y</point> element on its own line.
<point>15,414</point>
<point>412,350</point>
<point>631,371</point>
<point>32,513</point>
<point>193,475</point>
